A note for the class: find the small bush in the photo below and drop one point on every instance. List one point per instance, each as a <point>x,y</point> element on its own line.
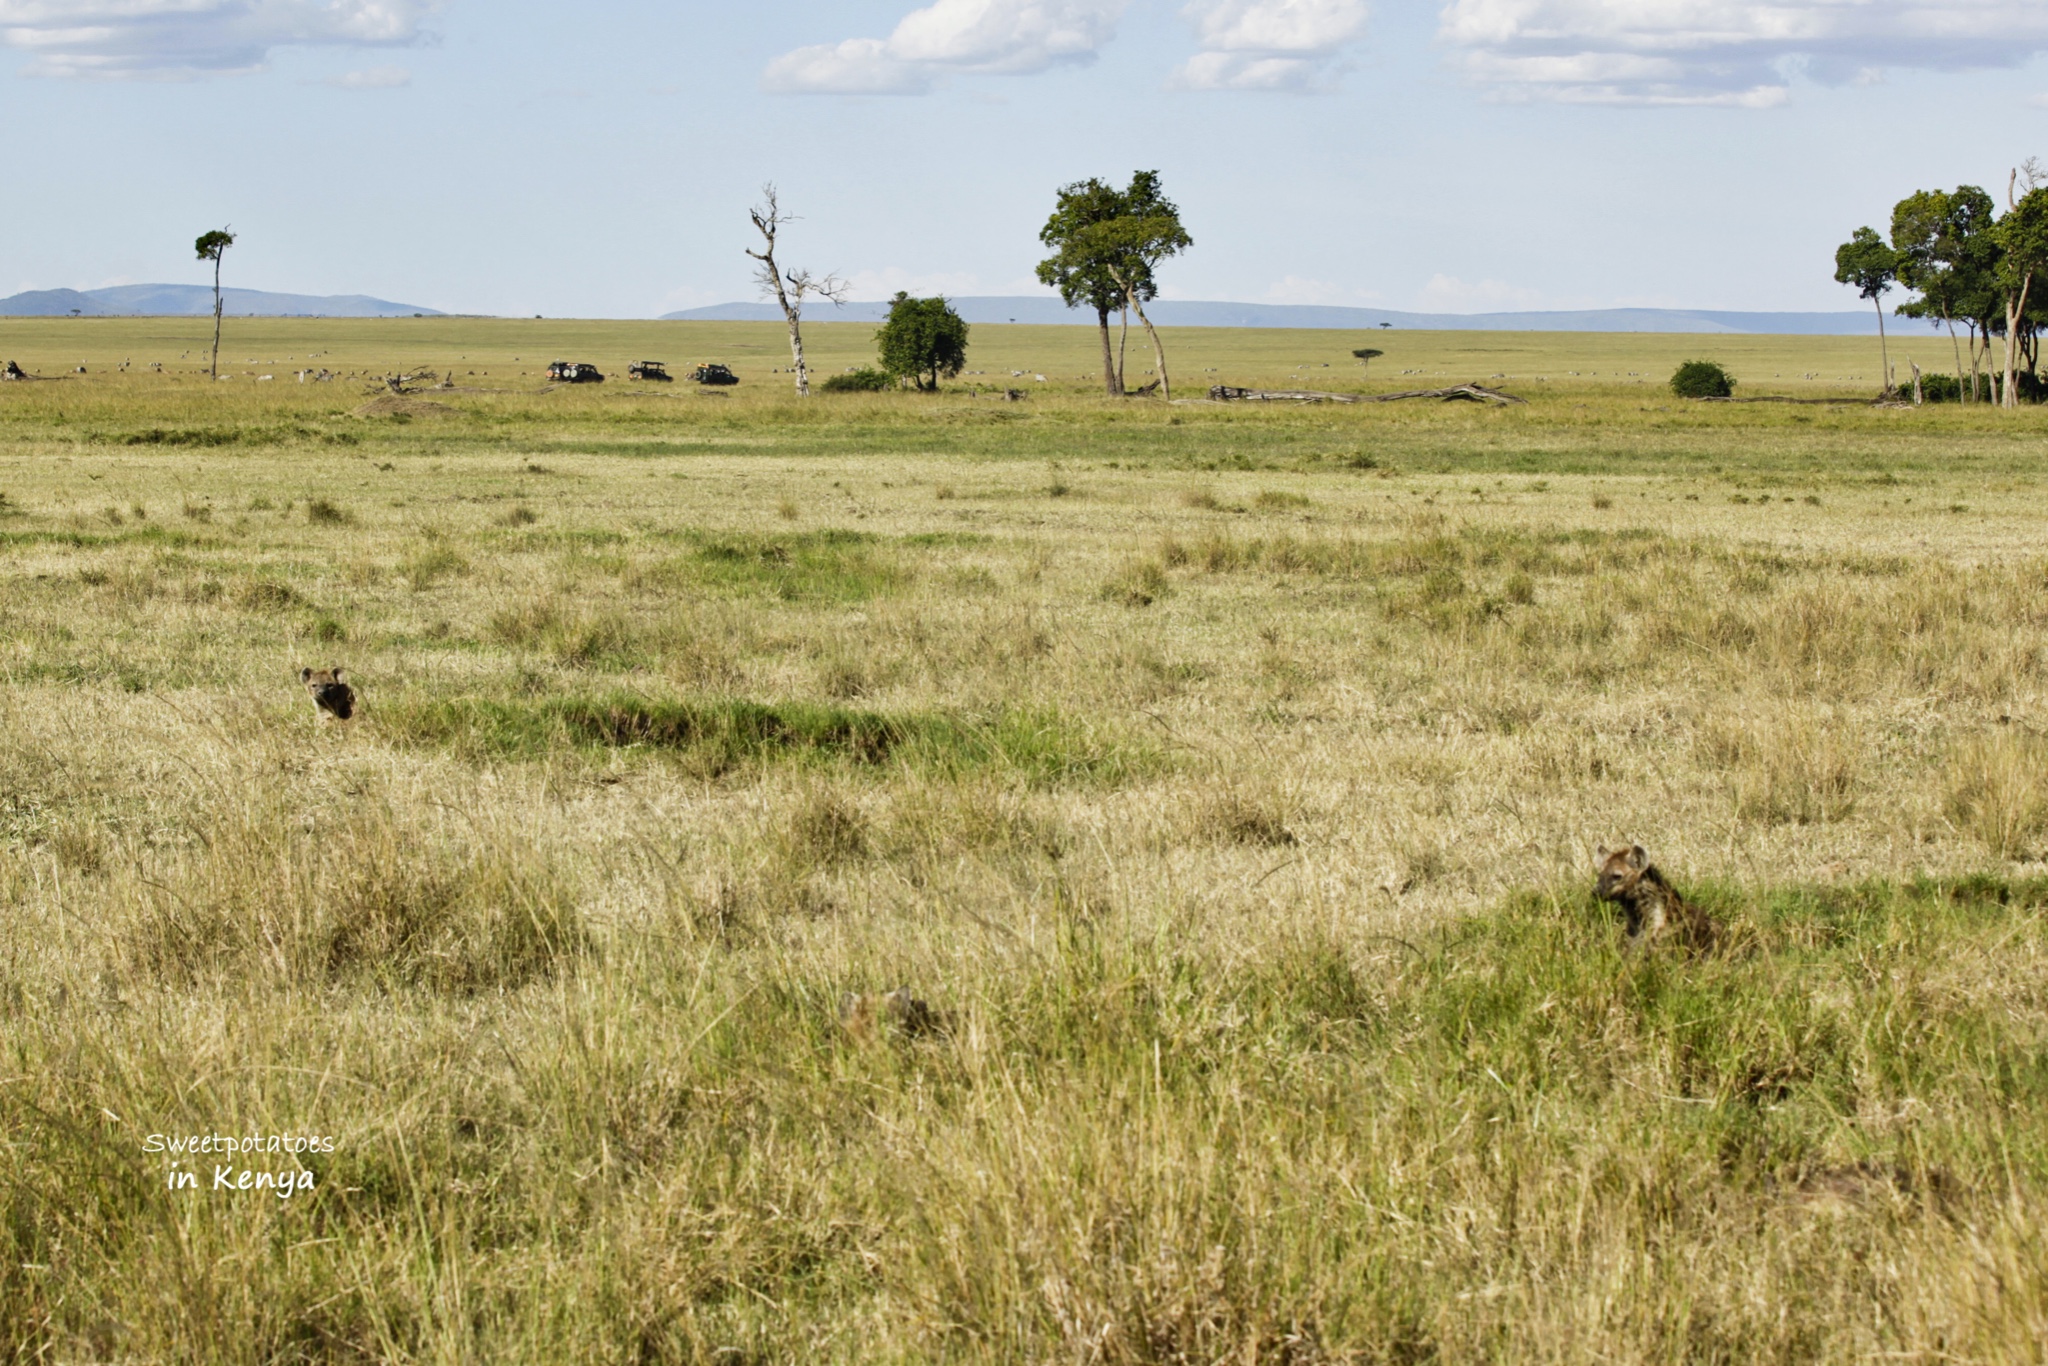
<point>1702,379</point>
<point>267,595</point>
<point>1939,388</point>
<point>322,512</point>
<point>866,380</point>
<point>1997,792</point>
<point>1139,584</point>
<point>432,561</point>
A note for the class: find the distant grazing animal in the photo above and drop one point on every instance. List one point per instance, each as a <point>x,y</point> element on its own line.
<point>330,694</point>
<point>1653,908</point>
<point>865,1015</point>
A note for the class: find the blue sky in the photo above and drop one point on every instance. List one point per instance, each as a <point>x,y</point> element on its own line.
<point>597,159</point>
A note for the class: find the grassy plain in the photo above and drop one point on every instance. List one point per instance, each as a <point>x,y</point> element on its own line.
<point>1225,775</point>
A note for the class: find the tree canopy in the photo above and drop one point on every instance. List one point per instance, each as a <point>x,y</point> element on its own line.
<point>211,244</point>
<point>923,339</point>
<point>1081,279</point>
<point>1868,263</point>
<point>1942,240</point>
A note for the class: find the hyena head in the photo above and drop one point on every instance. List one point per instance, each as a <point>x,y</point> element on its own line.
<point>330,694</point>
<point>1620,870</point>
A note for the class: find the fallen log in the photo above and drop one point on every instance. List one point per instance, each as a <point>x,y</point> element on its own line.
<point>1783,398</point>
<point>1226,393</point>
<point>1471,393</point>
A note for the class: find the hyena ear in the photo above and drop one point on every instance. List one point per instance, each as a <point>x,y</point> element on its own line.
<point>1600,853</point>
<point>1638,857</point>
<point>337,675</point>
<point>305,675</point>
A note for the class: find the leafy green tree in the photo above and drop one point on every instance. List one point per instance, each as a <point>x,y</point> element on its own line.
<point>2022,238</point>
<point>1947,255</point>
<point>1083,280</point>
<point>923,339</point>
<point>1130,247</point>
<point>212,246</point>
<point>1866,262</point>
<point>1368,354</point>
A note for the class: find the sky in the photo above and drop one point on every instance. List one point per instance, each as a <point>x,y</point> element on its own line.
<point>597,159</point>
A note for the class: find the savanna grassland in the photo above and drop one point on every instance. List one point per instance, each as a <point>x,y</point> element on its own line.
<point>1224,777</point>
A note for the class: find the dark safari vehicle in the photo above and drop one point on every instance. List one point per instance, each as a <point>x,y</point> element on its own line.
<point>574,372</point>
<point>649,369</point>
<point>711,372</point>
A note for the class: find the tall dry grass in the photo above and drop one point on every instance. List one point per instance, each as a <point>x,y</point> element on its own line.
<point>1230,806</point>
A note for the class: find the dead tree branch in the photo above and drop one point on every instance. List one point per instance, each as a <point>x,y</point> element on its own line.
<point>1476,393</point>
<point>789,288</point>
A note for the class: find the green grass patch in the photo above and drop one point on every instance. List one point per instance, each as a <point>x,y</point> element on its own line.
<point>831,565</point>
<point>717,735</point>
<point>161,537</point>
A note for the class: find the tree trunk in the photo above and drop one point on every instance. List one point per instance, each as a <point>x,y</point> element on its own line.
<point>1165,384</point>
<point>1957,347</point>
<point>216,316</point>
<point>1123,343</point>
<point>2015,309</point>
<point>1111,380</point>
<point>1918,398</point>
<point>796,352</point>
<point>1883,351</point>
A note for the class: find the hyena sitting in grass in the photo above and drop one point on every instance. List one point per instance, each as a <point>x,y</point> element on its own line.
<point>330,694</point>
<point>1653,908</point>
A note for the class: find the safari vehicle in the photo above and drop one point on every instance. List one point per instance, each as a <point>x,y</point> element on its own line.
<point>649,369</point>
<point>712,372</point>
<point>574,372</point>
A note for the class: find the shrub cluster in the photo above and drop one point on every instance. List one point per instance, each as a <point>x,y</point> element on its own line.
<point>1702,379</point>
<point>866,380</point>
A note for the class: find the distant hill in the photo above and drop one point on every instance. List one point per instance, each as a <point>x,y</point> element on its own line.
<point>186,301</point>
<point>1191,313</point>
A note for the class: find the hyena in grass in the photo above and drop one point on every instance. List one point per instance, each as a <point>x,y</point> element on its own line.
<point>1651,906</point>
<point>330,694</point>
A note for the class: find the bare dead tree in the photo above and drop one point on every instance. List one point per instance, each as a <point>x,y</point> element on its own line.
<point>789,288</point>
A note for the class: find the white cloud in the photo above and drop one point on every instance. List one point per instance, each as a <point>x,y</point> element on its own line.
<point>1008,37</point>
<point>1449,294</point>
<point>185,39</point>
<point>885,283</point>
<point>376,78</point>
<point>1299,289</point>
<point>1267,44</point>
<point>1726,52</point>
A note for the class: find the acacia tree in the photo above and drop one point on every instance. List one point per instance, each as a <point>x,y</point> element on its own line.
<point>1130,248</point>
<point>1872,267</point>
<point>2022,238</point>
<point>789,288</point>
<point>1945,253</point>
<point>211,247</point>
<point>1081,278</point>
<point>923,339</point>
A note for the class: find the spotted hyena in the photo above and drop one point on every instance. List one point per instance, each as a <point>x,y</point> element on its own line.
<point>868,1015</point>
<point>1651,906</point>
<point>330,694</point>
